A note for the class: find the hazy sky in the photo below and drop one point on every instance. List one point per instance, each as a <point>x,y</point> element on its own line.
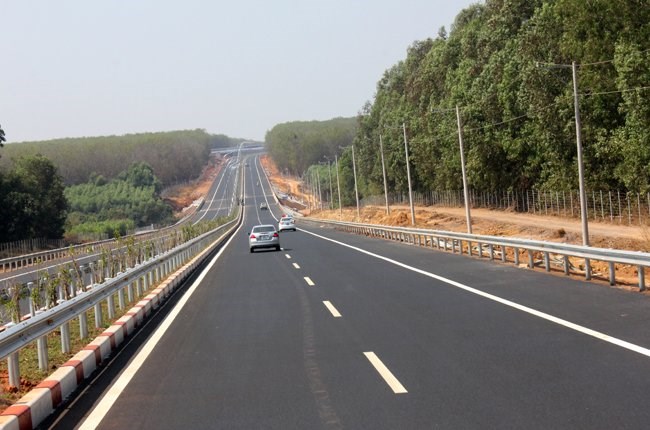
<point>74,68</point>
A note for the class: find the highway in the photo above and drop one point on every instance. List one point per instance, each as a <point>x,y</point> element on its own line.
<point>222,195</point>
<point>218,203</point>
<point>338,331</point>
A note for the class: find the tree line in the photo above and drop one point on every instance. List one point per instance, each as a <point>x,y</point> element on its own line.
<point>95,185</point>
<point>175,156</point>
<point>507,65</point>
<point>294,146</point>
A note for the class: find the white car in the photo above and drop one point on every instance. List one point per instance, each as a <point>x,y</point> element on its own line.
<point>289,217</point>
<point>287,223</point>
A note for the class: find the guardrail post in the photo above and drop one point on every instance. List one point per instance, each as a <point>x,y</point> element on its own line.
<point>612,273</point>
<point>503,253</point>
<point>98,315</point>
<point>120,299</point>
<point>641,278</point>
<point>65,338</point>
<point>587,269</point>
<point>83,325</point>
<point>491,251</point>
<point>32,305</point>
<point>531,261</point>
<point>547,263</point>
<point>566,264</point>
<point>110,306</point>
<point>129,290</point>
<point>516,251</point>
<point>469,248</point>
<point>81,283</point>
<point>73,283</point>
<point>13,369</point>
<point>41,347</point>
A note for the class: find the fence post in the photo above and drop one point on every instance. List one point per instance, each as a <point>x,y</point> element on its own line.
<point>65,338</point>
<point>13,362</point>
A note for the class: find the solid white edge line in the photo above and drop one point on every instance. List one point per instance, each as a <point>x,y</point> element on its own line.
<point>296,265</point>
<point>93,420</point>
<point>309,281</point>
<point>584,330</point>
<point>390,379</point>
<point>335,313</point>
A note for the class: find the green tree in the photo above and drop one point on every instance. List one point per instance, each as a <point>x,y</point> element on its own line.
<point>294,146</point>
<point>141,175</point>
<point>34,202</point>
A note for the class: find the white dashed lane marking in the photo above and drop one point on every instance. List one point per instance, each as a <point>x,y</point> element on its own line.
<point>288,256</point>
<point>332,309</point>
<point>309,281</point>
<point>390,379</point>
<point>296,265</point>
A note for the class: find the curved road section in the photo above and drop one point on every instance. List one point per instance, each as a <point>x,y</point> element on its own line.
<point>340,331</point>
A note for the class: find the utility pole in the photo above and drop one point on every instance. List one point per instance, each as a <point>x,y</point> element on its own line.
<point>408,174</point>
<point>329,171</point>
<point>320,196</point>
<point>462,165</point>
<point>581,173</point>
<point>338,185</point>
<point>383,170</point>
<point>581,169</point>
<point>356,188</point>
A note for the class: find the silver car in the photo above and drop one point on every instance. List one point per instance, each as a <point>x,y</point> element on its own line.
<point>263,236</point>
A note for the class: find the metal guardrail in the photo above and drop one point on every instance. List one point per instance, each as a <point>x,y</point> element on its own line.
<point>134,282</point>
<point>489,246</point>
<point>27,260</point>
<point>18,335</point>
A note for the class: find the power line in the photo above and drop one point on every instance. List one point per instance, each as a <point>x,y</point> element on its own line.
<point>615,92</point>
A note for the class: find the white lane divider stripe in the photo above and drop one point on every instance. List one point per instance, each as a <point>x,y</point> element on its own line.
<point>335,313</point>
<point>288,256</point>
<point>296,265</point>
<point>309,281</point>
<point>568,324</point>
<point>390,379</point>
<point>93,420</point>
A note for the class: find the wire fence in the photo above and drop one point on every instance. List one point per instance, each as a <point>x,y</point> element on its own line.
<point>607,206</point>
<point>28,246</point>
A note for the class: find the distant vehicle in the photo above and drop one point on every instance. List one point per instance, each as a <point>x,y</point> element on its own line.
<point>263,206</point>
<point>288,217</point>
<point>286,223</point>
<point>263,236</point>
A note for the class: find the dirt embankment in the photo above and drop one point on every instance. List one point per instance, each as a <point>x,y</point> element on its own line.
<point>489,222</point>
<point>181,196</point>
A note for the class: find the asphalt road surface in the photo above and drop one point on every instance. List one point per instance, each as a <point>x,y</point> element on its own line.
<point>342,331</point>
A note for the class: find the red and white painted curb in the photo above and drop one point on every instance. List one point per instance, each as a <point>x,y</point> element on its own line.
<point>40,402</point>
